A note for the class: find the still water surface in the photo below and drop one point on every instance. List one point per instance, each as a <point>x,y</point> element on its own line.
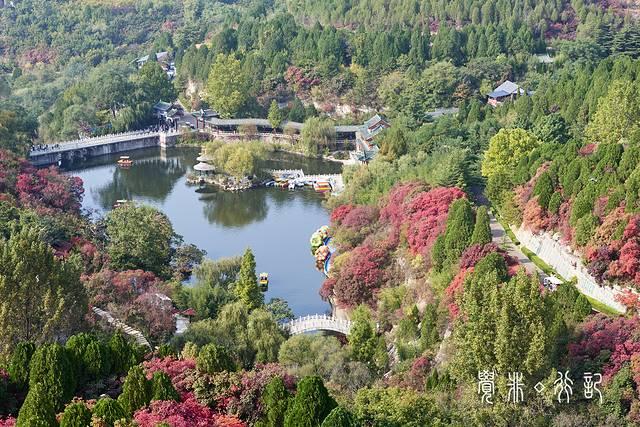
<point>275,223</point>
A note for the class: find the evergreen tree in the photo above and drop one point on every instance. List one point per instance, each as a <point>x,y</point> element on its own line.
<point>90,357</point>
<point>297,112</point>
<point>551,128</point>
<point>438,253</point>
<point>554,202</point>
<point>19,363</point>
<point>339,417</point>
<point>37,409</point>
<point>482,228</point>
<point>97,360</point>
<point>213,358</point>
<point>109,411</point>
<point>544,189</point>
<point>51,367</point>
<point>362,336</point>
<point>311,404</point>
<point>459,229</point>
<point>246,287</point>
<point>122,353</point>
<point>136,391</point>
<point>275,400</point>
<point>429,327</point>
<point>162,388</point>
<point>275,115</point>
<point>76,415</point>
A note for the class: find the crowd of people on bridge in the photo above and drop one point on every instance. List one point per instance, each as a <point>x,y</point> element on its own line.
<point>44,147</point>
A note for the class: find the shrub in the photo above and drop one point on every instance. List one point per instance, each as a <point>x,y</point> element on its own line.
<point>136,391</point>
<point>37,409</point>
<point>162,388</point>
<point>109,411</point>
<point>213,358</point>
<point>51,367</point>
<point>76,415</point>
<point>19,363</point>
<point>311,404</point>
<point>339,417</point>
<point>275,400</point>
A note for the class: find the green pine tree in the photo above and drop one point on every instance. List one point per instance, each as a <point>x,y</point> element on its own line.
<point>109,411</point>
<point>339,417</point>
<point>275,400</point>
<point>362,336</point>
<point>438,254</point>
<point>246,287</point>
<point>136,391</point>
<point>311,404</point>
<point>162,388</point>
<point>37,409</point>
<point>544,189</point>
<point>275,115</point>
<point>429,327</point>
<point>76,415</point>
<point>459,229</point>
<point>482,229</point>
<point>214,358</point>
<point>51,367</point>
<point>19,363</point>
<point>122,353</point>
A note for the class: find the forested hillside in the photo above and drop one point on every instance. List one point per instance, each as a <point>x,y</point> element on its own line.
<point>450,322</point>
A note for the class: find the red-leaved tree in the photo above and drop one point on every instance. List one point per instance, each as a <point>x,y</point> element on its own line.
<point>189,413</point>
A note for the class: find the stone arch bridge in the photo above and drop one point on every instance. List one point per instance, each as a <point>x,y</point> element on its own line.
<point>318,322</point>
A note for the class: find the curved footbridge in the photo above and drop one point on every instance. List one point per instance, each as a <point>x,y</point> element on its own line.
<point>318,322</point>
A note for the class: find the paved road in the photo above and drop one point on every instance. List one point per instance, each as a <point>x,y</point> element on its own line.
<point>502,239</point>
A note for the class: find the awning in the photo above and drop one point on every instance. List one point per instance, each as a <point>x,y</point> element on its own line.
<point>203,167</point>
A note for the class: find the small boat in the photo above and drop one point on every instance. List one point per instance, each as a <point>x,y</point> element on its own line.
<point>322,186</point>
<point>264,282</point>
<point>125,161</point>
<point>119,203</point>
<point>292,185</point>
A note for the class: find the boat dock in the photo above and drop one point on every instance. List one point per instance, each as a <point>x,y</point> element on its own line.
<point>297,177</point>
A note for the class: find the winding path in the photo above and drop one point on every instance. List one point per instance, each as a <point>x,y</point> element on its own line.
<point>500,237</point>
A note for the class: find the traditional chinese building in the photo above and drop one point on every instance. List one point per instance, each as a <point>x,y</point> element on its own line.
<point>366,149</point>
<point>507,91</point>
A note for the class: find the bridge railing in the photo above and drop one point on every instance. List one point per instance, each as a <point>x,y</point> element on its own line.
<point>98,140</point>
<point>317,322</point>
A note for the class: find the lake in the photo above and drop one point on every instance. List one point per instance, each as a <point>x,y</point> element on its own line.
<point>275,223</point>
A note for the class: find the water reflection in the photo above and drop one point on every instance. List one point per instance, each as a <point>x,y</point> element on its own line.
<point>153,178</point>
<point>234,209</point>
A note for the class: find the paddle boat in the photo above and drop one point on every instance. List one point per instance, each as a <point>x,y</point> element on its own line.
<point>125,161</point>
<point>264,282</point>
<point>322,186</point>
